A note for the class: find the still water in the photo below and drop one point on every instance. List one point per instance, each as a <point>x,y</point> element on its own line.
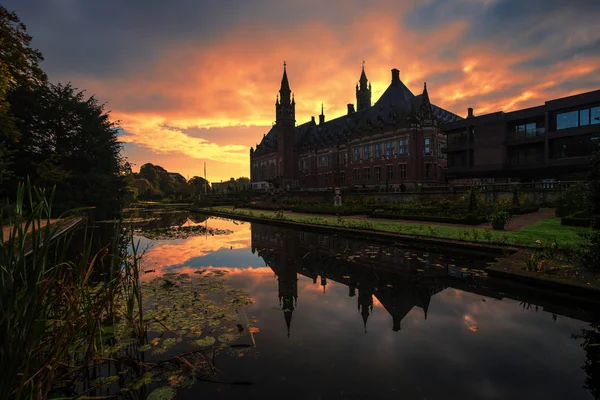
<point>345,319</point>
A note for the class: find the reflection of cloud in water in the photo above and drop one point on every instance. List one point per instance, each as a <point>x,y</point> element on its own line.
<point>162,254</point>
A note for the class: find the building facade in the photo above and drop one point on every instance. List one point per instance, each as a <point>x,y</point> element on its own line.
<point>384,145</point>
<point>549,142</point>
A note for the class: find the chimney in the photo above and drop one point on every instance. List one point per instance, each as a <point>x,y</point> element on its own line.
<point>470,113</point>
<point>395,76</point>
<point>350,108</point>
<point>312,119</point>
<point>321,119</point>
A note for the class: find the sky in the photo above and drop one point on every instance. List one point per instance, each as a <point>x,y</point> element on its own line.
<point>196,81</point>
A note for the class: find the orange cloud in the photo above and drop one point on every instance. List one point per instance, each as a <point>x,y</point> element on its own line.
<point>232,82</point>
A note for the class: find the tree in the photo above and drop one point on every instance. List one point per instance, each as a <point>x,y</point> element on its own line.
<point>149,173</point>
<point>242,183</point>
<point>21,61</point>
<point>199,184</point>
<point>69,141</point>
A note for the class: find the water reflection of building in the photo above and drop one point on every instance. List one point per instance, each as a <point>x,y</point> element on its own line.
<point>397,278</point>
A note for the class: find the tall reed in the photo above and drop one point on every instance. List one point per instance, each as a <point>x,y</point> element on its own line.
<point>60,299</point>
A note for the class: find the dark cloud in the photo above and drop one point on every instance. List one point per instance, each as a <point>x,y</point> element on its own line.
<point>562,55</point>
<point>516,25</point>
<point>113,37</point>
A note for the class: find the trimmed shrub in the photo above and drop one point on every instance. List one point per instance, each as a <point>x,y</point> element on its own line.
<point>468,219</point>
<point>572,200</point>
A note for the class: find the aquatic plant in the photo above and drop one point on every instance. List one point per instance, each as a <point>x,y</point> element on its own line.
<point>75,320</point>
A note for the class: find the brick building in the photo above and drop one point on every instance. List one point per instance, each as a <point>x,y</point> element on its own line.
<point>392,142</point>
<point>549,142</point>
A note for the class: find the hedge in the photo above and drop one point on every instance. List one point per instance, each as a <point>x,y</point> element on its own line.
<point>569,221</point>
<point>469,219</point>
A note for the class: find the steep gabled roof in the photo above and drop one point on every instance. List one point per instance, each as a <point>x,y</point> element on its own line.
<point>396,104</point>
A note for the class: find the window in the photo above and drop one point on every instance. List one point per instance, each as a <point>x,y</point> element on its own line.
<point>402,168</point>
<point>427,170</point>
<point>389,171</point>
<point>366,174</point>
<point>595,115</point>
<point>584,117</point>
<point>566,120</point>
<point>427,149</point>
<point>377,174</point>
<point>342,178</point>
<point>378,150</point>
<point>356,175</point>
<point>343,158</point>
<point>403,147</point>
<point>367,152</point>
<point>526,129</point>
<point>356,154</point>
<point>579,146</point>
<point>389,149</point>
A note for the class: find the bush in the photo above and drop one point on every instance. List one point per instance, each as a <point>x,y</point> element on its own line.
<point>572,200</point>
<point>579,218</point>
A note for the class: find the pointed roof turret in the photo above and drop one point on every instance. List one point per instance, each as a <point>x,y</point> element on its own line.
<point>426,109</point>
<point>285,91</point>
<point>288,320</point>
<point>363,77</point>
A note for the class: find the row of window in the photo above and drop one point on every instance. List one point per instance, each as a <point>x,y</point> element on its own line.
<point>389,170</point>
<point>388,149</point>
<point>573,119</point>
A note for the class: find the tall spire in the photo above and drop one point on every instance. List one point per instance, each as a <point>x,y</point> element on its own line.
<point>285,91</point>
<point>285,109</point>
<point>363,77</point>
<point>363,91</point>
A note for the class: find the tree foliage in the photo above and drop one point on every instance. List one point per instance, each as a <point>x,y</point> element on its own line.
<point>53,133</point>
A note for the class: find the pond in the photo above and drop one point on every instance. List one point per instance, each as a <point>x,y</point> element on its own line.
<point>337,318</point>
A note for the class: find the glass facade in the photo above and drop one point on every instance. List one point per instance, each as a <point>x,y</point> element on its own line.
<point>582,117</point>
<point>595,115</point>
<point>578,146</point>
<point>567,120</point>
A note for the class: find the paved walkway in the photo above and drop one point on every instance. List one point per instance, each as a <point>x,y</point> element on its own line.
<point>516,223</point>
<point>7,228</point>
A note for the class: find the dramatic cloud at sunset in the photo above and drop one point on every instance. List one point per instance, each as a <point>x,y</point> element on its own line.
<point>195,81</point>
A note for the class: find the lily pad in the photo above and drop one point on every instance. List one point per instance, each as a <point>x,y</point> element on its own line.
<point>205,342</point>
<point>162,393</point>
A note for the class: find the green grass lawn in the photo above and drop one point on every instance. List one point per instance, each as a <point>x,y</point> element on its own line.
<point>548,231</point>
